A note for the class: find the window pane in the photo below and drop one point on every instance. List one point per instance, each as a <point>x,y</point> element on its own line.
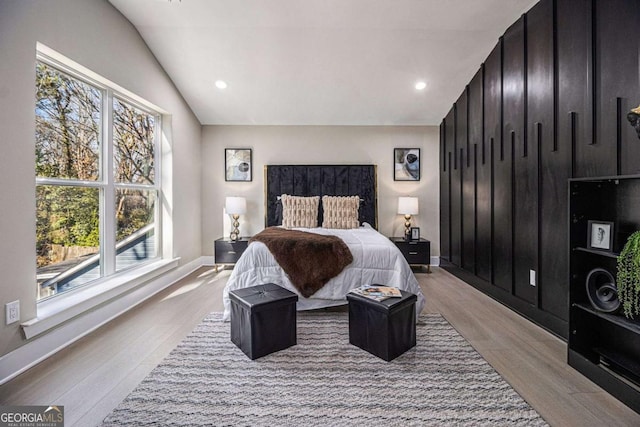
<point>133,144</point>
<point>67,238</point>
<point>135,233</point>
<point>67,126</point>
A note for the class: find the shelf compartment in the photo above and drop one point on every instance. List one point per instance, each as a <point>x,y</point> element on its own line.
<point>628,324</point>
<point>597,252</point>
<point>621,364</point>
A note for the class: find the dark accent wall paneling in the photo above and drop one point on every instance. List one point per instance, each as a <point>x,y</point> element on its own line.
<point>492,144</point>
<point>567,92</point>
<point>445,199</point>
<point>454,187</point>
<point>574,51</point>
<point>513,142</point>
<point>539,95</point>
<point>617,90</point>
<point>555,92</point>
<point>470,177</point>
<point>457,178</point>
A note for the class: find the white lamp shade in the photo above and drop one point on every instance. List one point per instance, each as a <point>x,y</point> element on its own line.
<point>408,205</point>
<point>235,205</point>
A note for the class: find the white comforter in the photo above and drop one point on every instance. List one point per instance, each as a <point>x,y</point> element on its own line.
<point>376,260</point>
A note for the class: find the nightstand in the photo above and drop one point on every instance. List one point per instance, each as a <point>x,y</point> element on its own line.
<point>416,252</point>
<point>228,251</point>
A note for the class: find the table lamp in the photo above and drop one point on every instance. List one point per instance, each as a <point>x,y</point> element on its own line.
<point>235,206</point>
<point>407,206</point>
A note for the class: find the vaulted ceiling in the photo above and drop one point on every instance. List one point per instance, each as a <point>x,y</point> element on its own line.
<point>321,62</point>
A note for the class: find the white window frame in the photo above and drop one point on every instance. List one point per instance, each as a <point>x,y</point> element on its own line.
<point>106,183</point>
<point>112,186</point>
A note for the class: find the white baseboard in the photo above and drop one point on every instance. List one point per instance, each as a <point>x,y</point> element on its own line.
<point>208,260</point>
<point>435,261</point>
<point>38,349</point>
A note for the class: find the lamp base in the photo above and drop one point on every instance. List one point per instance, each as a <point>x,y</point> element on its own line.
<point>235,233</point>
<point>407,227</point>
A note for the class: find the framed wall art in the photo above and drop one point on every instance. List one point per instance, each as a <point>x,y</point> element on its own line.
<point>406,163</point>
<point>237,164</point>
<point>600,235</point>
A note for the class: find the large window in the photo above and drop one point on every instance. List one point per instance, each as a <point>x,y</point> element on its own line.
<point>96,181</point>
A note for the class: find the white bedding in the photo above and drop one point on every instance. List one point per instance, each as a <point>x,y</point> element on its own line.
<point>376,260</point>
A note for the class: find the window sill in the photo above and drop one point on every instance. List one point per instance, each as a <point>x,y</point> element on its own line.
<point>55,311</point>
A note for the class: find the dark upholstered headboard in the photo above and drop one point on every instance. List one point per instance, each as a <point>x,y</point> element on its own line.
<point>322,180</point>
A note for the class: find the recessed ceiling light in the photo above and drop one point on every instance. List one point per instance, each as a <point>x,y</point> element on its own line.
<point>221,84</point>
<point>421,85</point>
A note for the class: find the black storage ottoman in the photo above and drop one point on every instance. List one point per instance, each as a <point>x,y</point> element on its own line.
<point>263,319</point>
<point>383,328</point>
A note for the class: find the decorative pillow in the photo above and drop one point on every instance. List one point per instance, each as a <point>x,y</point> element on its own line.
<point>340,211</point>
<point>299,211</point>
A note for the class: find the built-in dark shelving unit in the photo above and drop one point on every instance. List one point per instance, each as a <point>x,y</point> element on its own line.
<point>605,347</point>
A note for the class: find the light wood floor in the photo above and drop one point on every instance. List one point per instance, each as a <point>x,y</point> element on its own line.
<point>93,375</point>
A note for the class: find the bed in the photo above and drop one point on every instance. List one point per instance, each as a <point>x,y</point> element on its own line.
<point>376,260</point>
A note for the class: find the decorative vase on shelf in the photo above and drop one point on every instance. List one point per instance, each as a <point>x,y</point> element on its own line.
<point>628,278</point>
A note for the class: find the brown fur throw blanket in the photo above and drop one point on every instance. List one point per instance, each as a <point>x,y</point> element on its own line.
<point>310,260</point>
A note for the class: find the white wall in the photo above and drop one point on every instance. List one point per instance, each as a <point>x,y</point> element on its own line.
<point>319,145</point>
<point>96,35</point>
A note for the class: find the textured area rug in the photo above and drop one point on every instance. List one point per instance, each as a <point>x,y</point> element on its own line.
<point>324,381</point>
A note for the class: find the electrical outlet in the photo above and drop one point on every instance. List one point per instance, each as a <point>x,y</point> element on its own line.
<point>532,277</point>
<point>12,311</point>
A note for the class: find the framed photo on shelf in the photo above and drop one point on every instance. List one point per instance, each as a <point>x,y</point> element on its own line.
<point>415,233</point>
<point>237,164</point>
<point>406,164</point>
<point>600,235</point>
